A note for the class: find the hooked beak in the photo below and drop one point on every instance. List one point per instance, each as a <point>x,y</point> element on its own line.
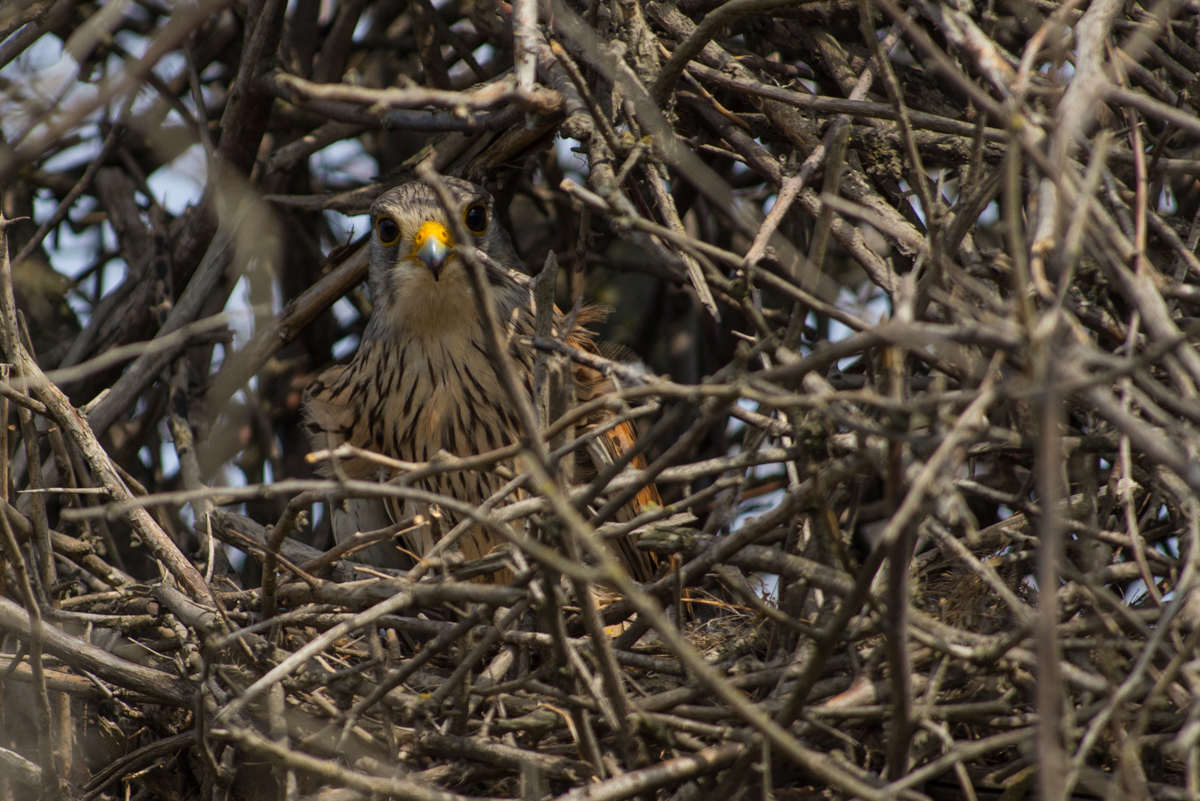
<point>432,245</point>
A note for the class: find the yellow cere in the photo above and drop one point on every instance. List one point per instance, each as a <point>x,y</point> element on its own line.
<point>435,229</point>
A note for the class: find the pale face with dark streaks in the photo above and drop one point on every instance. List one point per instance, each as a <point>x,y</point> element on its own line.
<point>418,282</point>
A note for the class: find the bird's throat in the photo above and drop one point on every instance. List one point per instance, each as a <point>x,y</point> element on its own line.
<point>431,306</point>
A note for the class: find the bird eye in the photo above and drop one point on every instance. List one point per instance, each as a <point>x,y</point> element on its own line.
<point>389,232</point>
<point>476,218</point>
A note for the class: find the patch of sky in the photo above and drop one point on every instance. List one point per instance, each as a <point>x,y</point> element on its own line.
<point>346,229</point>
<point>484,53</point>
<point>185,511</point>
<point>573,165</point>
<point>72,253</point>
<point>108,237</point>
<point>82,208</point>
<point>76,155</point>
<point>42,80</point>
<point>276,295</point>
<point>241,321</point>
<point>1003,512</point>
<point>735,425</point>
<point>768,586</point>
<point>1167,204</point>
<point>173,119</point>
<point>133,43</point>
<point>113,64</point>
<point>237,559</point>
<point>344,162</point>
<point>949,185</point>
<point>188,103</point>
<point>218,358</point>
<point>756,506</point>
<point>345,312</point>
<point>239,397</point>
<point>167,456</point>
<point>913,200</point>
<point>871,309</point>
<point>466,28</point>
<point>838,332</point>
<point>42,54</point>
<point>461,71</point>
<point>1135,592</point>
<point>365,23</point>
<point>180,183</point>
<point>768,470</point>
<point>877,306</point>
<point>231,475</point>
<point>769,203</point>
<point>44,205</point>
<point>147,97</point>
<point>847,362</point>
<point>990,214</point>
<point>345,346</point>
<point>171,66</point>
<point>113,275</point>
<point>135,12</point>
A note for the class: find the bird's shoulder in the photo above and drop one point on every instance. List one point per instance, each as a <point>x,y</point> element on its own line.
<point>590,383</point>
<point>329,415</point>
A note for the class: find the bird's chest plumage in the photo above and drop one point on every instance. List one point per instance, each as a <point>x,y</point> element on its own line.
<point>423,381</point>
<point>448,398</point>
<point>410,395</point>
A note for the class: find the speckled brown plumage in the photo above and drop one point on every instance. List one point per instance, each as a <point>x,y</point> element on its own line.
<point>422,381</point>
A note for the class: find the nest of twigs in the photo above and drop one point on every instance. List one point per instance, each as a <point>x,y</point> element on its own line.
<point>914,285</point>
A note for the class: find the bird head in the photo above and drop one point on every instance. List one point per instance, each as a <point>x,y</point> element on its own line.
<point>415,267</point>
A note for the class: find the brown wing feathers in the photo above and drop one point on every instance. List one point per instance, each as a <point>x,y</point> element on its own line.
<point>590,383</point>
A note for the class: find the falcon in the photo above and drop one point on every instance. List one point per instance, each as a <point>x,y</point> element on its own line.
<point>422,381</point>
